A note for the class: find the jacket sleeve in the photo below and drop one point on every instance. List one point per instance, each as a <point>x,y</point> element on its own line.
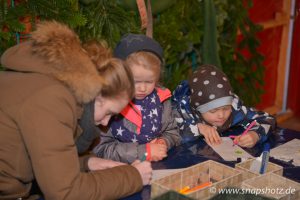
<point>110,148</point>
<point>47,121</point>
<point>170,131</point>
<point>186,120</point>
<point>265,123</point>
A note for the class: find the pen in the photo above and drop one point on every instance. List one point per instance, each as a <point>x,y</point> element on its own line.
<point>245,131</point>
<point>265,158</point>
<point>249,127</point>
<point>184,189</point>
<point>198,187</point>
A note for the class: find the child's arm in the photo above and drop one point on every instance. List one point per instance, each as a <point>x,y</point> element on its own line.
<point>110,148</point>
<point>169,132</point>
<point>210,133</point>
<point>187,126</point>
<point>184,117</point>
<point>265,123</point>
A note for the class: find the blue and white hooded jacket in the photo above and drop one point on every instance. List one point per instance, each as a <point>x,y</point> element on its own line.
<point>241,115</point>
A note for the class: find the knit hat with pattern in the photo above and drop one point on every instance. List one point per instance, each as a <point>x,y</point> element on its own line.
<point>210,89</point>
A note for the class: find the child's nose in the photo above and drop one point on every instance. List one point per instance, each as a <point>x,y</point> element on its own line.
<point>221,114</point>
<point>142,87</point>
<point>105,121</point>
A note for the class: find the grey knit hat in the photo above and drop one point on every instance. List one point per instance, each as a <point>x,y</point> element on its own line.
<point>210,89</point>
<point>131,43</point>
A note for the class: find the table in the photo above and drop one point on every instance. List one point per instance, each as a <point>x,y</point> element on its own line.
<point>198,151</point>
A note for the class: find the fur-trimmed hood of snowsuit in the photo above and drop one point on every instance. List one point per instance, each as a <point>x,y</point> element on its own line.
<point>56,50</point>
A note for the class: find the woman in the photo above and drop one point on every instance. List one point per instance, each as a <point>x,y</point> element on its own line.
<point>48,80</point>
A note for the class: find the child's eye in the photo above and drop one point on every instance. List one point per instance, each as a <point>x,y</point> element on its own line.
<point>213,111</point>
<point>109,112</point>
<point>227,108</point>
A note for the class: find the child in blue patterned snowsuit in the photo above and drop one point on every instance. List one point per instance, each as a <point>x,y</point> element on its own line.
<point>206,106</point>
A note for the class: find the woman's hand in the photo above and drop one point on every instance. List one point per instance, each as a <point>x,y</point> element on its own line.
<point>145,170</point>
<point>95,163</point>
<point>210,134</point>
<point>247,140</point>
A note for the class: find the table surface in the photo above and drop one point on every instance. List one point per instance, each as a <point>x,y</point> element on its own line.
<point>198,151</point>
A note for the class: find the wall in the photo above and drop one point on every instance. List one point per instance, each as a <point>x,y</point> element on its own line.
<point>294,79</point>
<point>273,15</point>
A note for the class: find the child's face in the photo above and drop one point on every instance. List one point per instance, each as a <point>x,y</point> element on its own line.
<point>218,116</point>
<point>144,81</point>
<point>105,108</point>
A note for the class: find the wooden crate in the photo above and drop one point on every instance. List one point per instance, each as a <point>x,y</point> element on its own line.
<point>274,186</point>
<point>246,175</point>
<point>244,167</point>
<point>220,175</point>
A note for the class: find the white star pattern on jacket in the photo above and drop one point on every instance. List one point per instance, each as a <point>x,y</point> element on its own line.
<point>120,131</point>
<point>154,128</point>
<point>154,111</point>
<point>153,100</point>
<point>134,139</point>
<point>151,114</point>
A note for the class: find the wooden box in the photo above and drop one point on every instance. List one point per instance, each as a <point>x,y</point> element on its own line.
<point>245,167</point>
<point>274,186</point>
<point>220,175</point>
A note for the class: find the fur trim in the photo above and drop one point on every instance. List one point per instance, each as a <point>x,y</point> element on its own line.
<point>68,61</point>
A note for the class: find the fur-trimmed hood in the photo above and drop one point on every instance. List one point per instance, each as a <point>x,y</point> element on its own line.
<point>55,50</point>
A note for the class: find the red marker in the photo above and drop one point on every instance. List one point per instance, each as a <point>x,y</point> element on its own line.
<point>245,131</point>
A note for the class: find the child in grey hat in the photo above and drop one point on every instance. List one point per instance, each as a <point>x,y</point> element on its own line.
<point>146,127</point>
<point>206,106</point>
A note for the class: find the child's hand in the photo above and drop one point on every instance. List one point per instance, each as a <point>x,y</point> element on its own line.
<point>158,151</point>
<point>210,133</point>
<point>248,140</point>
<point>159,141</point>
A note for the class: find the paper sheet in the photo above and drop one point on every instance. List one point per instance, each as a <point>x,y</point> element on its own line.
<point>230,152</point>
<point>289,151</point>
<point>160,173</point>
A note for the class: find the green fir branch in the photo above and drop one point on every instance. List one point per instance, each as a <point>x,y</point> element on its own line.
<point>107,21</point>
